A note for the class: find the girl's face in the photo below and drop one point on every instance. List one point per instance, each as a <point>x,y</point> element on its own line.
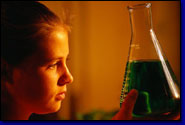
<point>39,84</point>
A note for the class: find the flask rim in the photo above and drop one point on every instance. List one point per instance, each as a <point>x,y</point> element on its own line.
<point>138,6</point>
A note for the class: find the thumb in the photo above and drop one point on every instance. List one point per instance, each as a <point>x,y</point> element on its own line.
<point>127,107</point>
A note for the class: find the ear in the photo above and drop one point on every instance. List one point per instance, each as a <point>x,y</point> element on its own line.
<point>6,71</point>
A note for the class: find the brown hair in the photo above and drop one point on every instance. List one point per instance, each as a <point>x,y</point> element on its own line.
<point>23,25</point>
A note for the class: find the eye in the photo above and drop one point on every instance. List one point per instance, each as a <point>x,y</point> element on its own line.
<point>53,66</point>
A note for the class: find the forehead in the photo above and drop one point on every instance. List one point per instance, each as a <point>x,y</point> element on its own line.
<point>53,46</point>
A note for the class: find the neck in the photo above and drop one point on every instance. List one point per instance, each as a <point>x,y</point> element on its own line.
<point>141,24</point>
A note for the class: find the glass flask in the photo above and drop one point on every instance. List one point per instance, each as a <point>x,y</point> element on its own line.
<point>147,69</point>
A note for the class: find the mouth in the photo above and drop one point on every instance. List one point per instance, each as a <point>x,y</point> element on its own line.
<point>60,96</point>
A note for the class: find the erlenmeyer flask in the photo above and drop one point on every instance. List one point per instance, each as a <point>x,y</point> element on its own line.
<point>147,69</point>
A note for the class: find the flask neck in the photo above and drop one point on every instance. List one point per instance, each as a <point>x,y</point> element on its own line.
<point>141,20</point>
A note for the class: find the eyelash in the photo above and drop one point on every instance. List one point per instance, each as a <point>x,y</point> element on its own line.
<point>52,66</point>
<point>56,64</point>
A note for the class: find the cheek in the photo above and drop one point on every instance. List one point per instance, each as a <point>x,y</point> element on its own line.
<point>44,85</point>
<point>36,88</point>
<point>47,84</point>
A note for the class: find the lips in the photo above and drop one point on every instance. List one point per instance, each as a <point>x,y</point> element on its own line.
<point>60,96</point>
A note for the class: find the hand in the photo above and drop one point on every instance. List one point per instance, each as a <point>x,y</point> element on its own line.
<point>125,113</point>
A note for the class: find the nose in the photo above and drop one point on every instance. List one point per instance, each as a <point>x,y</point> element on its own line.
<point>65,78</point>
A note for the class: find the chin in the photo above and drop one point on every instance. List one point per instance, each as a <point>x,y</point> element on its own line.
<point>51,109</point>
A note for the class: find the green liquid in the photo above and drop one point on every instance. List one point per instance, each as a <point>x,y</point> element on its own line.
<point>148,78</point>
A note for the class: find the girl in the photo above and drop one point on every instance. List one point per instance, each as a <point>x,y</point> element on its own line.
<point>34,74</point>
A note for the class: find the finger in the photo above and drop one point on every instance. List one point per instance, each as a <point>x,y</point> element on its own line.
<point>129,102</point>
<point>178,117</point>
<point>172,116</point>
<point>125,112</point>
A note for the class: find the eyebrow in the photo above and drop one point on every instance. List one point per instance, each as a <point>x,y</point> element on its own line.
<point>50,60</point>
<point>57,58</point>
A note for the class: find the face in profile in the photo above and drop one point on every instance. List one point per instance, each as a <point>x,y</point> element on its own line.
<point>39,83</point>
